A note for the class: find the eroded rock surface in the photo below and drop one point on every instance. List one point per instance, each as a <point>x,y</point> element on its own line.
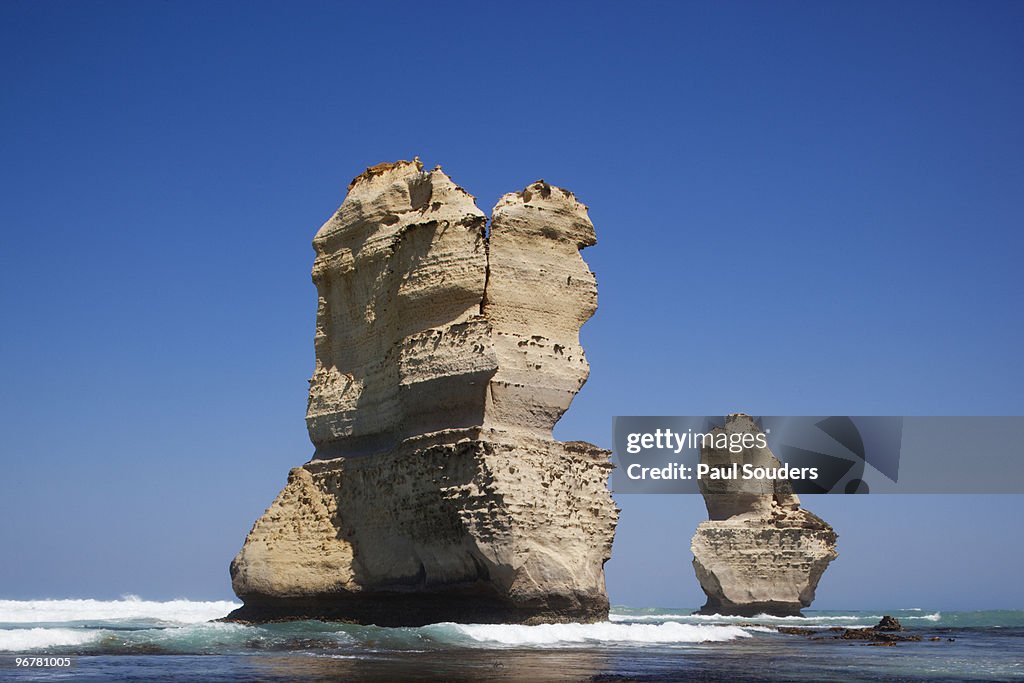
<point>759,552</point>
<point>444,357</point>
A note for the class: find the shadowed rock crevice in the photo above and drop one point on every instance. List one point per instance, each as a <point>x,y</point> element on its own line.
<point>444,357</point>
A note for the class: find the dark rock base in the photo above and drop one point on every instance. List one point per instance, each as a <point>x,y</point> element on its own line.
<point>419,609</point>
<point>774,609</point>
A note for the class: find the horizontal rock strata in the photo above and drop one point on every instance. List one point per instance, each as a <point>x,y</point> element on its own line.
<point>444,357</point>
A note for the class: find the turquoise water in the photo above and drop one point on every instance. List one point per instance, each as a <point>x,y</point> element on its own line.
<point>915,617</point>
<point>176,640</point>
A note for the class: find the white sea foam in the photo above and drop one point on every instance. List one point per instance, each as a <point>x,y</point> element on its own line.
<point>28,639</point>
<point>810,620</point>
<point>617,618</point>
<point>130,607</point>
<point>731,619</point>
<point>797,620</point>
<point>606,632</point>
<point>842,617</point>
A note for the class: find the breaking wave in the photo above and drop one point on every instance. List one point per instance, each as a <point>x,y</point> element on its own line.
<point>129,607</point>
<point>135,626</point>
<point>29,639</point>
<point>553,635</point>
<point>864,619</point>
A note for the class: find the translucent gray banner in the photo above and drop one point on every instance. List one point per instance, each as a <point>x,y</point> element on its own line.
<point>827,454</point>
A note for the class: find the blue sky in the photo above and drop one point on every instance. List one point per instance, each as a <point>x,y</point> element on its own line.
<point>802,208</point>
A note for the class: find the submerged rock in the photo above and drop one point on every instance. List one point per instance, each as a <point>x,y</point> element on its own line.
<point>883,633</point>
<point>759,552</point>
<point>889,623</point>
<point>444,357</point>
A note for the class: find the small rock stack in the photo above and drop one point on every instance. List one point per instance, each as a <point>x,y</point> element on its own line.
<point>759,552</point>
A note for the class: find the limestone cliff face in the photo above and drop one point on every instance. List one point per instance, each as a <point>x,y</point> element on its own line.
<point>444,357</point>
<point>401,346</point>
<point>759,552</point>
<point>539,294</point>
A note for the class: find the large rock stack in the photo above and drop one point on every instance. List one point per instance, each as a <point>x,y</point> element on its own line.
<point>444,357</point>
<point>759,552</point>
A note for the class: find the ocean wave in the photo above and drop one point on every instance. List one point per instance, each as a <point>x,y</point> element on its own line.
<point>204,638</point>
<point>732,619</point>
<point>130,607</point>
<point>552,635</point>
<point>619,618</point>
<point>28,639</point>
<point>830,618</point>
<point>191,638</point>
<point>811,620</point>
<point>209,638</point>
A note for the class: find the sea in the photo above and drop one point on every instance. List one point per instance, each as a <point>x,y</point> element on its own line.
<point>180,640</point>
